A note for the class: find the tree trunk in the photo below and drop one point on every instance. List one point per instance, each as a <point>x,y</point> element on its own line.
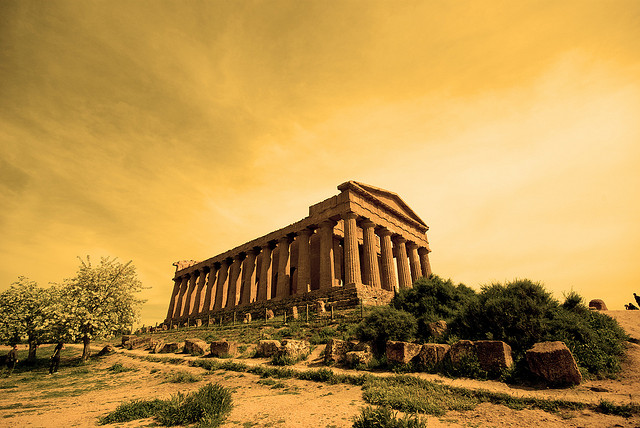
<point>86,351</point>
<point>33,346</point>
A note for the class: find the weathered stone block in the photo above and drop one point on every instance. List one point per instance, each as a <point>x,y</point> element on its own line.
<point>195,346</point>
<point>269,314</point>
<point>437,329</point>
<point>432,354</point>
<point>554,363</point>
<point>493,355</point>
<point>267,348</point>
<point>223,348</point>
<point>294,349</point>
<point>157,347</point>
<point>598,305</point>
<point>294,312</point>
<point>174,347</point>
<point>247,318</point>
<point>335,350</point>
<point>462,350</point>
<point>198,322</point>
<point>401,352</point>
<point>126,338</point>
<point>137,342</point>
<point>320,307</point>
<point>355,358</point>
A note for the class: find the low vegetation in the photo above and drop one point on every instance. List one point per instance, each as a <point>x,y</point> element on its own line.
<point>384,417</point>
<point>207,407</point>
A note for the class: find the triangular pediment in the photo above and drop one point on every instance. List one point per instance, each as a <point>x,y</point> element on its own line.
<point>390,199</point>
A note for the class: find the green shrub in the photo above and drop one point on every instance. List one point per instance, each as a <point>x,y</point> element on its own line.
<point>384,417</point>
<point>386,323</point>
<point>522,313</point>
<point>183,377</point>
<point>323,335</point>
<point>208,407</point>
<point>286,360</point>
<point>433,299</point>
<point>130,411</point>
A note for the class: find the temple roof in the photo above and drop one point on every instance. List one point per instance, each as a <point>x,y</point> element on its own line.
<point>385,197</point>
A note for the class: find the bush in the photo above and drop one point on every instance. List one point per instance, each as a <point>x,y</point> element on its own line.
<point>384,417</point>
<point>386,323</point>
<point>433,299</point>
<point>183,377</point>
<point>209,406</point>
<point>522,313</point>
<point>130,411</point>
<point>119,368</point>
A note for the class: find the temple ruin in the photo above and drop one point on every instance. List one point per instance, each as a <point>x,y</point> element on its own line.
<point>342,253</point>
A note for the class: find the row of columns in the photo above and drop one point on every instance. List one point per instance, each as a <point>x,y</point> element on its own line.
<point>232,282</point>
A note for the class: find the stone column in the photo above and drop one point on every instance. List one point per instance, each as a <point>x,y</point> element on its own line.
<point>282,287</point>
<point>404,276</point>
<point>424,261</point>
<point>188,302</point>
<point>264,287</point>
<point>351,253</point>
<point>180,300</point>
<point>210,295</point>
<point>326,254</point>
<point>197,298</point>
<point>174,297</point>
<point>233,295</point>
<point>414,261</point>
<point>249,277</point>
<point>304,261</point>
<point>386,254</point>
<point>222,285</point>
<point>370,255</point>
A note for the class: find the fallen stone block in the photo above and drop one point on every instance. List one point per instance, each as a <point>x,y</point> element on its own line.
<point>554,363</point>
<point>356,358</point>
<point>493,355</point>
<point>401,352</point>
<point>195,346</point>
<point>174,347</point>
<point>461,351</point>
<point>335,350</point>
<point>267,348</point>
<point>432,355</point>
<point>223,348</point>
<point>293,349</point>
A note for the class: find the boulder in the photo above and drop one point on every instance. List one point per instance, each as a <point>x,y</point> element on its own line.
<point>432,354</point>
<point>493,355</point>
<point>223,348</point>
<point>106,350</point>
<point>401,352</point>
<point>126,338</point>
<point>136,342</point>
<point>294,349</point>
<point>356,358</point>
<point>157,347</point>
<point>267,348</point>
<point>437,329</point>
<point>554,363</point>
<point>174,347</point>
<point>461,350</point>
<point>195,346</point>
<point>597,304</point>
<point>335,350</point>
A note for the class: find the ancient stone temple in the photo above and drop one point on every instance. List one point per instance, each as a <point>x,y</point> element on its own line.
<point>358,246</point>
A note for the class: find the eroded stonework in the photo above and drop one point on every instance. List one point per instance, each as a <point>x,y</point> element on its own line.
<point>360,245</point>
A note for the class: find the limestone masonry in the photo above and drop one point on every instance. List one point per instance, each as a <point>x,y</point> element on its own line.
<point>342,253</point>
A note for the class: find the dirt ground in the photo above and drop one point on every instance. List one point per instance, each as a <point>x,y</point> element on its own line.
<point>78,396</point>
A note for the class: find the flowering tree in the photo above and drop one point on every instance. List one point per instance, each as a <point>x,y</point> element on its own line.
<point>98,302</point>
<point>24,312</point>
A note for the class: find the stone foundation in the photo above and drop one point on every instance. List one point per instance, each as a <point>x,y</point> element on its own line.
<point>336,297</point>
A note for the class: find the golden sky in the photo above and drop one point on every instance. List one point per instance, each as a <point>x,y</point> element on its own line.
<point>167,130</point>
